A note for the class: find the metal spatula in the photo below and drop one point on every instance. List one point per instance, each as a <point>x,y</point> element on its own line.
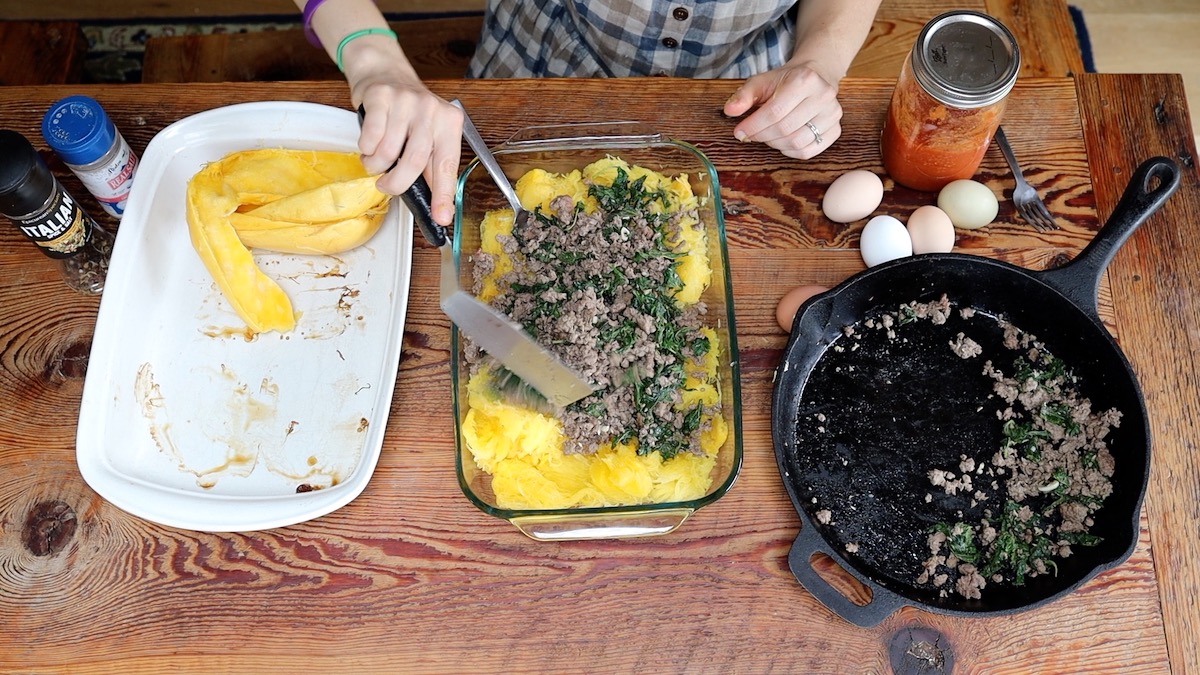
<point>491,330</point>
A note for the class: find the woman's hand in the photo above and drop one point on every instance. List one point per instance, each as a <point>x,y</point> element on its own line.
<point>408,130</point>
<point>414,132</point>
<point>798,110</point>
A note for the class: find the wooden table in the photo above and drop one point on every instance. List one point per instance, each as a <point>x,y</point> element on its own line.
<point>41,52</point>
<point>412,577</point>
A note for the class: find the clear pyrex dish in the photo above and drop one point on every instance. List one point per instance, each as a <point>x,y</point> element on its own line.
<point>560,149</point>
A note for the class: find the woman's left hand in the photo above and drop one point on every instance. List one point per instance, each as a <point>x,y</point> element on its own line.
<point>798,112</point>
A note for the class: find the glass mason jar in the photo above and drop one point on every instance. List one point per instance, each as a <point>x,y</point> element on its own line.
<point>948,100</point>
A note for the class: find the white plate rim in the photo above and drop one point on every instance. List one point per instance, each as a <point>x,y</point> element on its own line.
<point>231,513</point>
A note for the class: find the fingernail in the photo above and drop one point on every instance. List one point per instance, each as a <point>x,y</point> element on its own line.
<point>740,135</point>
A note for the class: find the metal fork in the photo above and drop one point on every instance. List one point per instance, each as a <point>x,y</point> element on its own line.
<point>1025,197</point>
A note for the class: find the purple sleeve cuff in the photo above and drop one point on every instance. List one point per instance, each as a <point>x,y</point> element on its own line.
<point>309,9</point>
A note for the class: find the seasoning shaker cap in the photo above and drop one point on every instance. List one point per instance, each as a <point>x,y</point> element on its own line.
<point>966,59</point>
<point>25,181</point>
<point>78,129</point>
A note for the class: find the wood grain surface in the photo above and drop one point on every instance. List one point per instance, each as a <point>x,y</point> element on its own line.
<point>411,577</point>
<point>437,49</point>
<point>1042,28</point>
<point>41,52</point>
<point>1157,277</point>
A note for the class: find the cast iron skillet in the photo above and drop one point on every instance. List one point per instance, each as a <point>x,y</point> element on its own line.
<point>889,413</point>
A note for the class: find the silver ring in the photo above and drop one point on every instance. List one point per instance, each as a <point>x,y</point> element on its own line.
<point>816,132</point>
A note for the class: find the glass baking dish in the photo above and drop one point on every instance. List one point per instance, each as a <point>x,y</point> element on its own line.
<point>560,149</point>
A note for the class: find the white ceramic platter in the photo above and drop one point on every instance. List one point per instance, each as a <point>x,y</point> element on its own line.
<point>188,422</point>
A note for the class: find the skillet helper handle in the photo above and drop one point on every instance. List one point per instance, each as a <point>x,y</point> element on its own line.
<point>883,603</point>
<point>1152,183</point>
<point>419,200</point>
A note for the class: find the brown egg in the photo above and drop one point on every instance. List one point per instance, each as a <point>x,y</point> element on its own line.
<point>931,230</point>
<point>852,196</point>
<point>785,312</point>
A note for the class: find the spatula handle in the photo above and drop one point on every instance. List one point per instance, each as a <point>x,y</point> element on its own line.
<point>417,199</point>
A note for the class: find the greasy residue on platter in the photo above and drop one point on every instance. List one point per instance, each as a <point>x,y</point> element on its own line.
<point>334,311</point>
<point>241,434</point>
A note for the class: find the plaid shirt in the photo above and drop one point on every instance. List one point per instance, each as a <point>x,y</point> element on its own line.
<point>621,38</point>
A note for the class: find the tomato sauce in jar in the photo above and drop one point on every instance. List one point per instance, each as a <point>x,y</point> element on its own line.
<point>948,100</point>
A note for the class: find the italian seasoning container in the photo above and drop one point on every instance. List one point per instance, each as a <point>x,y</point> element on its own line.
<point>50,217</point>
<point>78,129</point>
<point>948,100</point>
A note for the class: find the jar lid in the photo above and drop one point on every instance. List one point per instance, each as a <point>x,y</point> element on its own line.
<point>78,129</point>
<point>25,181</point>
<point>966,59</point>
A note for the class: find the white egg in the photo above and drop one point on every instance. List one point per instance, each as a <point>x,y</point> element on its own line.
<point>931,230</point>
<point>884,238</point>
<point>970,204</point>
<point>852,196</point>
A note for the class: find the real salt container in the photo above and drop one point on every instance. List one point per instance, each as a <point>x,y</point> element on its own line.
<point>79,130</point>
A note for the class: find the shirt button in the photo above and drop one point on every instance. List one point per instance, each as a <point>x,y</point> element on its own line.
<point>670,42</point>
<point>680,14</point>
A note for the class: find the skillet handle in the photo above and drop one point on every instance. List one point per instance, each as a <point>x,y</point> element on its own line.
<point>883,602</point>
<point>1079,279</point>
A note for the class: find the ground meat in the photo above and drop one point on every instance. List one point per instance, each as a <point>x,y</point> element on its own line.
<point>1050,476</point>
<point>937,312</point>
<point>970,582</point>
<point>936,539</point>
<point>580,283</point>
<point>965,347</point>
<point>949,482</point>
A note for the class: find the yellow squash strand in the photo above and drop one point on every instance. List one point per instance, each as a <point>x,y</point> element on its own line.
<point>288,201</point>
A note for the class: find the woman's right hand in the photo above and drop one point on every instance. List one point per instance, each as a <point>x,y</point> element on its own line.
<point>408,131</point>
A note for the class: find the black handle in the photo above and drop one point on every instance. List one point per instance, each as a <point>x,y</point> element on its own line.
<point>1152,183</point>
<point>419,200</point>
<point>883,602</point>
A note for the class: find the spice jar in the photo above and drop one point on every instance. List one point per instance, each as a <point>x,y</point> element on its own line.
<point>948,100</point>
<point>50,217</point>
<point>78,129</point>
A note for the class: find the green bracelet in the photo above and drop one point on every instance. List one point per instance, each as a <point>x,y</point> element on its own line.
<point>357,34</point>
